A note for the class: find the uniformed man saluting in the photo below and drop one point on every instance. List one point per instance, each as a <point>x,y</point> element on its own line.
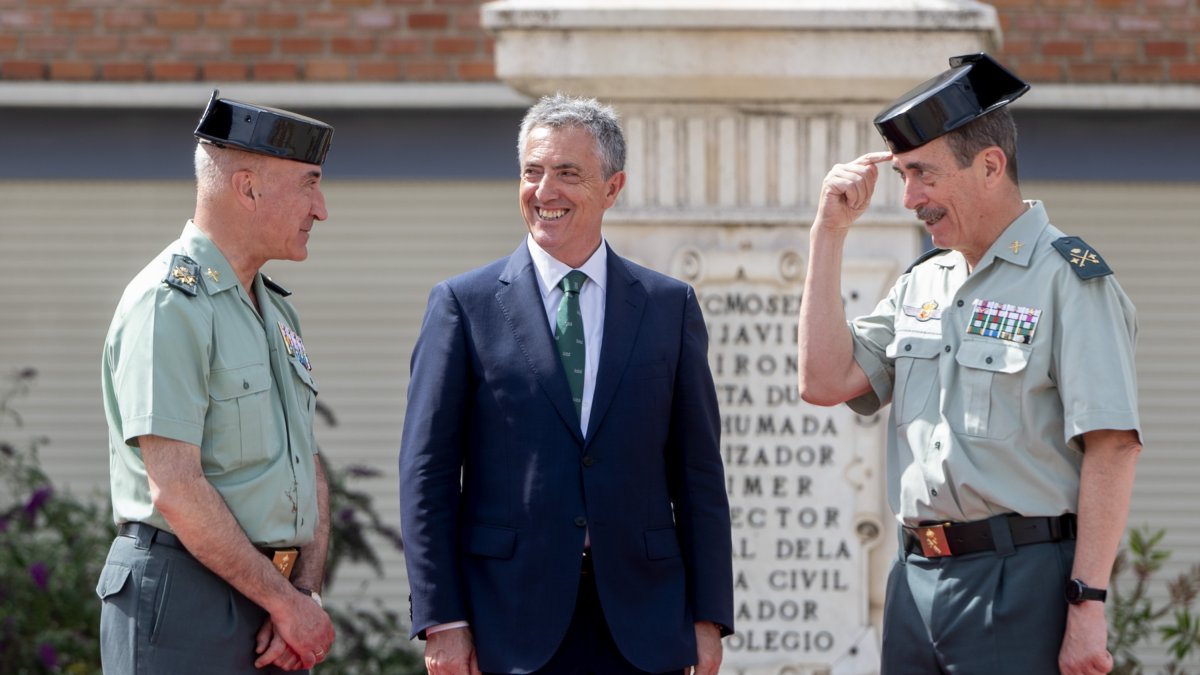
<point>220,499</point>
<point>1007,356</point>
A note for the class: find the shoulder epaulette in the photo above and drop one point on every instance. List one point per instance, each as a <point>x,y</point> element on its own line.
<point>1086,263</point>
<point>275,287</point>
<point>925,256</point>
<point>182,273</point>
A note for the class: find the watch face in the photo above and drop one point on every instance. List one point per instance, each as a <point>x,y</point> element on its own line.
<point>1074,590</point>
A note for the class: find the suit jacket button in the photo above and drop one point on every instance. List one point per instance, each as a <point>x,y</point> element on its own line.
<point>580,521</point>
<point>588,460</point>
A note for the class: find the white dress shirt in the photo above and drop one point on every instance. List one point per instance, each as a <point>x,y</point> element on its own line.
<point>550,273</point>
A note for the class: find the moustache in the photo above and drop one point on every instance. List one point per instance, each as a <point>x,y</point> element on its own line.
<point>930,214</point>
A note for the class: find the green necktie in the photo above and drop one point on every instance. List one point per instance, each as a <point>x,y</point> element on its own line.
<point>568,333</point>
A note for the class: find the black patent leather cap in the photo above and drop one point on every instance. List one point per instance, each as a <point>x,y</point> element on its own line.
<point>267,131</point>
<point>974,86</point>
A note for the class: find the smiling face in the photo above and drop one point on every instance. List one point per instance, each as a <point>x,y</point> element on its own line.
<point>944,196</point>
<point>564,193</point>
<point>291,203</point>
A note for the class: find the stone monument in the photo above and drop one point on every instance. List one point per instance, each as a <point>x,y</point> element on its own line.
<point>734,111</point>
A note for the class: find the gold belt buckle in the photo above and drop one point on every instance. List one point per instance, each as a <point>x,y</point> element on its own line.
<point>283,560</point>
<point>933,540</point>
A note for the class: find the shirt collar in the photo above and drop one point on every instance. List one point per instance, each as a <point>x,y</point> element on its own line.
<point>550,270</point>
<point>215,270</point>
<point>1015,244</point>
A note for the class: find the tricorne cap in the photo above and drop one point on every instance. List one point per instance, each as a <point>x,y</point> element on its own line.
<point>267,131</point>
<point>974,86</point>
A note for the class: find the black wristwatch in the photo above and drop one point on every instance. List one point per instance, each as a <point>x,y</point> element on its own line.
<point>1077,592</point>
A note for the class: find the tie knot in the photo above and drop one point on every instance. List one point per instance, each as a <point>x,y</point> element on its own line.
<point>573,281</point>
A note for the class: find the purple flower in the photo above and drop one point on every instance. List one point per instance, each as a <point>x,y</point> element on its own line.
<point>346,515</point>
<point>40,574</point>
<point>3,524</point>
<point>48,655</point>
<point>39,498</point>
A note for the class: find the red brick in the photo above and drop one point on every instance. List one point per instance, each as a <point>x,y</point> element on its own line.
<point>1008,24</point>
<point>1062,4</point>
<point>327,70</point>
<point>175,71</point>
<point>251,45</point>
<point>1188,23</point>
<point>403,2</point>
<point>377,70</point>
<point>253,3</point>
<point>147,44</point>
<point>200,3</point>
<point>457,2</point>
<point>199,44</point>
<point>1166,49</point>
<point>8,44</point>
<point>302,45</point>
<point>327,20</point>
<point>428,20</point>
<point>131,19</point>
<point>24,19</point>
<point>1017,46</point>
<point>1139,23</point>
<point>1089,72</point>
<point>1185,72</point>
<point>275,71</point>
<point>174,20</point>
<point>72,70</point>
<point>375,20</point>
<point>489,45</point>
<point>467,20</point>
<point>47,3</point>
<point>353,3</point>
<point>346,45</point>
<point>427,70</point>
<point>475,71</point>
<point>23,70</point>
<point>1116,4</point>
<point>1037,23</point>
<point>1114,49</point>
<point>74,19</point>
<point>1089,23</point>
<point>123,71</point>
<point>47,44</point>
<point>1141,72</point>
<point>1166,4</point>
<point>1041,72</point>
<point>1012,4</point>
<point>278,20</point>
<point>454,46</point>
<point>225,20</point>
<point>1062,48</point>
<point>398,46</point>
<point>97,44</point>
<point>228,71</point>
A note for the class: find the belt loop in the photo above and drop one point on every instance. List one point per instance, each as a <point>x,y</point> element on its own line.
<point>144,536</point>
<point>1002,535</point>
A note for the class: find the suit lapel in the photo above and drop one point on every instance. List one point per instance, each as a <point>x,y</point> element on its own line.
<point>520,300</point>
<point>623,307</point>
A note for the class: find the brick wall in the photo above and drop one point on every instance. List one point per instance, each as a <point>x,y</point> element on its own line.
<point>1091,41</point>
<point>237,40</point>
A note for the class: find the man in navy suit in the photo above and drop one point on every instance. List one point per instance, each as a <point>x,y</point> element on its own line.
<point>562,493</point>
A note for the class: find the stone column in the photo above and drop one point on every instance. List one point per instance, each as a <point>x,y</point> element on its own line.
<point>734,111</point>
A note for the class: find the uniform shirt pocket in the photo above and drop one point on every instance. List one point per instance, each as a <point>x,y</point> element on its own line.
<point>915,356</point>
<point>239,404</point>
<point>990,375</point>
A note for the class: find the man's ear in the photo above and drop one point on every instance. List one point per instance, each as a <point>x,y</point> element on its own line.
<point>614,184</point>
<point>244,184</point>
<point>994,164</point>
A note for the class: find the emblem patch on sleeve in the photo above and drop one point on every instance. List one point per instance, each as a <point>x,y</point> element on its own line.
<point>1004,322</point>
<point>1086,263</point>
<point>182,273</point>
<point>927,310</point>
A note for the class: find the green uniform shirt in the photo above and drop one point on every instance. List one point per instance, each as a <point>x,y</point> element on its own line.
<point>208,370</point>
<point>989,424</point>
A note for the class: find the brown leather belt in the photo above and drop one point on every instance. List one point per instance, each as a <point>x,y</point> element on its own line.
<point>283,558</point>
<point>940,540</point>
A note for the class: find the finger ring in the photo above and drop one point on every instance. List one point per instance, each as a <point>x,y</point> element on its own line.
<point>319,653</point>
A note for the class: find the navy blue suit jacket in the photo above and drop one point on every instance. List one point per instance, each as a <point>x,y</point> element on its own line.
<point>497,483</point>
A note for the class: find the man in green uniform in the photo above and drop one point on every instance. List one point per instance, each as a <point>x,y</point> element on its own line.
<point>1007,356</point>
<point>220,499</point>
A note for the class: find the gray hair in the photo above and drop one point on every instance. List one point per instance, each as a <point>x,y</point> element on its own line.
<point>563,111</point>
<point>215,164</point>
<point>995,128</point>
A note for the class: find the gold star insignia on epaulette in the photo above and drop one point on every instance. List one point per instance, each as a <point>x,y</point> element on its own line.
<point>180,273</point>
